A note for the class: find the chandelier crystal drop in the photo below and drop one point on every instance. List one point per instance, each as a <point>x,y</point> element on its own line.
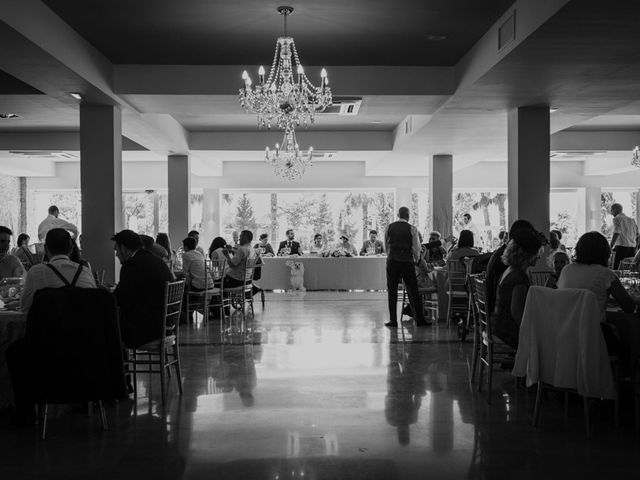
<point>285,98</point>
<point>635,159</point>
<point>287,160</point>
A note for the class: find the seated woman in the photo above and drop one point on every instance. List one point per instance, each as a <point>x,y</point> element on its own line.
<point>345,248</point>
<point>522,252</point>
<point>318,247</point>
<point>193,266</point>
<point>236,273</point>
<point>559,260</point>
<point>24,254</point>
<point>163,240</point>
<point>264,247</point>
<point>215,249</point>
<point>464,247</point>
<point>590,270</point>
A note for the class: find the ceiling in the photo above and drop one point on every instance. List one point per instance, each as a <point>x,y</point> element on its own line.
<point>223,32</point>
<point>174,69</point>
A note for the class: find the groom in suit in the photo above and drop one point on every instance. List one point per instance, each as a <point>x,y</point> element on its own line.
<point>294,247</point>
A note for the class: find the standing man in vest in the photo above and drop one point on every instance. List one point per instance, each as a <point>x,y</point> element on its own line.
<point>403,254</point>
<point>625,231</point>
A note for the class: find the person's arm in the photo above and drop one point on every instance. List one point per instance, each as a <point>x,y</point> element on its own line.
<point>236,259</point>
<point>28,290</point>
<point>518,298</point>
<point>382,249</point>
<point>626,302</point>
<point>415,244</point>
<point>616,231</point>
<point>363,250</point>
<point>67,226</point>
<point>17,269</point>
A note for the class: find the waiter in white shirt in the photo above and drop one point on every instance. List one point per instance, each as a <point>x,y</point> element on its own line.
<point>52,221</point>
<point>625,231</point>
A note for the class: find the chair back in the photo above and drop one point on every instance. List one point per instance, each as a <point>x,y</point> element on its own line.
<point>75,349</point>
<point>540,278</point>
<point>479,299</point>
<point>173,295</point>
<point>216,270</point>
<point>628,265</point>
<point>457,273</point>
<point>561,342</point>
<point>249,269</point>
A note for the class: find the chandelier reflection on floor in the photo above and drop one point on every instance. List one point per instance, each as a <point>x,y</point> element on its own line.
<point>281,99</point>
<point>287,160</point>
<point>635,159</point>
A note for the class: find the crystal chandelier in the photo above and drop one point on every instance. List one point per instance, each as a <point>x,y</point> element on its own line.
<point>635,159</point>
<point>281,99</point>
<point>287,160</point>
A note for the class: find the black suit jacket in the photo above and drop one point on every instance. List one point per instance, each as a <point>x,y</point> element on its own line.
<point>295,247</point>
<point>140,296</point>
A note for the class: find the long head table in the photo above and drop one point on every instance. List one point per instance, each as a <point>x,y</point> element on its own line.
<point>345,273</point>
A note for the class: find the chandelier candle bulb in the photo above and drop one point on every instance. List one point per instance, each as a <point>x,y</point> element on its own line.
<point>261,75</point>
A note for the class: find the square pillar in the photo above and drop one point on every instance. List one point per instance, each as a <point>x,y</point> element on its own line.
<point>179,197</point>
<point>441,193</point>
<point>592,197</point>
<point>529,166</point>
<point>101,184</point>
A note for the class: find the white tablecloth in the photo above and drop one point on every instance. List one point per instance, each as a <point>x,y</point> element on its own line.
<point>12,327</point>
<point>348,273</point>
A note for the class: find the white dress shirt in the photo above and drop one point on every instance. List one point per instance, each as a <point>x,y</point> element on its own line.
<point>626,229</point>
<point>40,276</point>
<point>52,222</point>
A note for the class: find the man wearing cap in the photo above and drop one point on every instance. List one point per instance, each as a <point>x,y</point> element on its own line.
<point>373,246</point>
<point>140,293</point>
<point>402,243</point>
<point>344,248</point>
<point>289,246</point>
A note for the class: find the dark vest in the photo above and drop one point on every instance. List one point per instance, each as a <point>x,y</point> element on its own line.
<point>400,242</point>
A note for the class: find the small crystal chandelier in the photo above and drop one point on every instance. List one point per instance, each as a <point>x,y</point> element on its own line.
<point>280,99</point>
<point>635,159</point>
<point>287,160</point>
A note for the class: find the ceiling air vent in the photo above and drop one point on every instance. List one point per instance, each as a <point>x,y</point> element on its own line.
<point>344,106</point>
<point>43,154</point>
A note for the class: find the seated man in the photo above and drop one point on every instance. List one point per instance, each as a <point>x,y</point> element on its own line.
<point>10,265</point>
<point>58,246</point>
<point>289,246</point>
<point>140,293</point>
<point>373,246</point>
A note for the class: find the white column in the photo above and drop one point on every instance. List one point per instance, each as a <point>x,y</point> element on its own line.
<point>592,208</point>
<point>441,193</point>
<point>101,184</point>
<point>210,215</point>
<point>179,196</point>
<point>529,166</point>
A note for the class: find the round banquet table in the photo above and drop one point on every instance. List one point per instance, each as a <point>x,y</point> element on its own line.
<point>13,326</point>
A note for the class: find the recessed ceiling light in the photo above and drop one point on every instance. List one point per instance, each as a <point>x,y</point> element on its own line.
<point>553,109</point>
<point>76,95</point>
<point>376,121</point>
<point>436,38</point>
<point>9,115</point>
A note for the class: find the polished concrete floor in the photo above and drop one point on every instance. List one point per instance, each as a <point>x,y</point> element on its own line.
<point>325,392</point>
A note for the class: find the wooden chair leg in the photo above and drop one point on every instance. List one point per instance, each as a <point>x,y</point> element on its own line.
<point>134,374</point>
<point>176,354</point>
<point>45,415</point>
<point>489,372</point>
<point>103,416</point>
<point>481,370</point>
<point>163,389</point>
<point>538,405</point>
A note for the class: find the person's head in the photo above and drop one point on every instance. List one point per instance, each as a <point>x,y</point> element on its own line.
<point>5,239</point>
<point>503,236</point>
<point>147,242</point>
<point>53,210</point>
<point>520,224</point>
<point>403,212</point>
<point>126,243</point>
<point>344,239</point>
<point>290,234</point>
<point>217,243</point>
<point>434,236</point>
<point>317,239</point>
<point>616,208</point>
<point>593,248</point>
<point>194,234</point>
<point>554,238</point>
<point>23,239</point>
<point>189,244</point>
<point>163,240</point>
<point>236,236</point>
<point>560,260</point>
<point>245,237</point>
<point>466,218</point>
<point>466,239</point>
<point>264,238</point>
<point>58,242</point>
<point>523,249</point>
<point>373,235</point>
